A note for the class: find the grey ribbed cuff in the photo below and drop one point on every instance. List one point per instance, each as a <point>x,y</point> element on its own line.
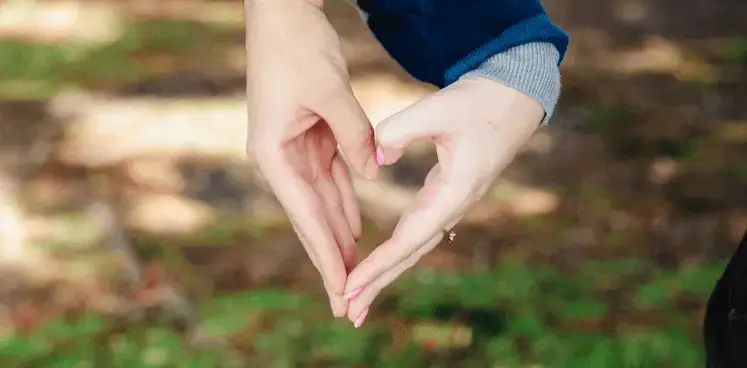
<point>531,68</point>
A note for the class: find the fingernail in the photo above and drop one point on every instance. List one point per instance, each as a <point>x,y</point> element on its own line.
<point>379,156</point>
<point>371,168</point>
<point>359,321</point>
<point>354,293</point>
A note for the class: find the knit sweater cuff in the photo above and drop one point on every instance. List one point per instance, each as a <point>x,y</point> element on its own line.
<point>531,68</point>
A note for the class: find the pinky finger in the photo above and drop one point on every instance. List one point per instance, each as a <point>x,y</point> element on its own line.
<point>342,179</point>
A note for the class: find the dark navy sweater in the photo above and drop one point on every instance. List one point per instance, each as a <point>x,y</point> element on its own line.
<point>437,41</point>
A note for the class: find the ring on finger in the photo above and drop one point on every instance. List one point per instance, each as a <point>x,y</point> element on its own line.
<point>449,235</point>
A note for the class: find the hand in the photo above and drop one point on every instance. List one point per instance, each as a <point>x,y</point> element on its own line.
<point>478,126</point>
<point>300,107</point>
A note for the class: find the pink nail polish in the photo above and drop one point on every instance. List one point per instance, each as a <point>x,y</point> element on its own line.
<point>354,293</point>
<point>379,156</point>
<point>359,321</point>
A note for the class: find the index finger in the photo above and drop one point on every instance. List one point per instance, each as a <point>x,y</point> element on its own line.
<point>306,212</point>
<point>442,199</point>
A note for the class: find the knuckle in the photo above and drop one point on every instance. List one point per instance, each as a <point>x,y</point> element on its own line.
<point>331,91</point>
<point>340,86</point>
<point>334,205</point>
<point>316,210</point>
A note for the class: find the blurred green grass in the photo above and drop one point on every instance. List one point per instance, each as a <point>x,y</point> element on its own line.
<point>39,71</point>
<point>518,315</point>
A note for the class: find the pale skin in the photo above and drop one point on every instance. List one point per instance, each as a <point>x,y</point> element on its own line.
<point>301,108</point>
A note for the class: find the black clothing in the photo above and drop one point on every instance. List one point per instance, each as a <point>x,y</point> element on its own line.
<point>725,325</point>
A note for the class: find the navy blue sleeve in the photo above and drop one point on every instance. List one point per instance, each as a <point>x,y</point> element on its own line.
<point>439,40</point>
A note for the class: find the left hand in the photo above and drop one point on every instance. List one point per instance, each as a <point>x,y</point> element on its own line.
<point>478,126</point>
<point>301,108</point>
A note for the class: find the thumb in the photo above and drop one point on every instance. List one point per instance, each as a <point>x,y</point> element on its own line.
<point>352,130</point>
<point>426,118</point>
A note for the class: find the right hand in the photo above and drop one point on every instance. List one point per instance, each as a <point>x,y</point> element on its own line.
<point>300,107</point>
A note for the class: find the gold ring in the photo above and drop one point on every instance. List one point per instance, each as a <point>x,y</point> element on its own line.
<point>449,235</point>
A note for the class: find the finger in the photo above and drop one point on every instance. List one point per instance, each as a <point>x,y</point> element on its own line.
<point>309,250</point>
<point>327,191</point>
<point>321,153</point>
<point>432,175</point>
<point>443,199</point>
<point>427,118</point>
<point>363,300</point>
<point>307,212</point>
<point>338,305</point>
<point>352,129</point>
<point>342,179</point>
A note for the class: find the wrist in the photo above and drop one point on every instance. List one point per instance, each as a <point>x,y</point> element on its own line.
<point>531,69</point>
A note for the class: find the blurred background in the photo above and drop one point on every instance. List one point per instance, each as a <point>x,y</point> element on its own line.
<point>134,232</point>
